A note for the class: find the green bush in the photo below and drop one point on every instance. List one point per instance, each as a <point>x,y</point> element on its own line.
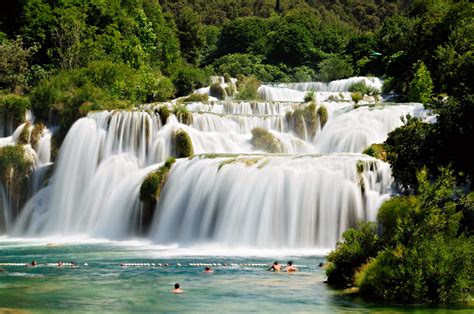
<point>362,88</point>
<point>187,78</point>
<point>377,151</point>
<point>435,270</point>
<point>262,139</point>
<point>183,144</point>
<point>357,247</point>
<point>216,90</point>
<point>36,134</point>
<point>323,115</point>
<point>389,85</point>
<point>14,107</point>
<point>304,121</point>
<point>421,87</point>
<point>197,98</point>
<point>356,97</point>
<point>334,68</point>
<point>249,89</point>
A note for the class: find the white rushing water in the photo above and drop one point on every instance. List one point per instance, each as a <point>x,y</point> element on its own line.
<point>298,199</point>
<point>269,201</point>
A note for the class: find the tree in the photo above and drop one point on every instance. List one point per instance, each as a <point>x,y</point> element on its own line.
<point>14,61</point>
<point>190,34</point>
<point>334,68</point>
<point>421,87</point>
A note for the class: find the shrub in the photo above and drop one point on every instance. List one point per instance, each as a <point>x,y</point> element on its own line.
<point>187,78</point>
<point>362,88</point>
<point>13,107</point>
<point>389,85</point>
<point>216,90</point>
<point>435,270</point>
<point>309,96</point>
<point>197,97</point>
<point>323,115</point>
<point>356,97</point>
<point>249,89</point>
<point>334,68</point>
<point>377,151</point>
<point>264,140</point>
<point>227,78</point>
<point>183,144</point>
<point>421,87</point>
<point>357,247</point>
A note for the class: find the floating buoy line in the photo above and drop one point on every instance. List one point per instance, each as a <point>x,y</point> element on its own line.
<point>152,264</point>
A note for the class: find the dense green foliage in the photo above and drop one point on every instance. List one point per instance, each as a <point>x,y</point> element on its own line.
<point>264,140</point>
<point>421,87</point>
<point>423,254</point>
<point>13,107</point>
<point>418,144</point>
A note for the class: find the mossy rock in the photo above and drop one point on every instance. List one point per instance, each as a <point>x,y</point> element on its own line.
<point>164,112</point>
<point>151,187</point>
<point>323,115</point>
<point>24,137</point>
<point>264,140</point>
<point>182,114</point>
<point>309,96</point>
<point>15,169</point>
<point>248,90</point>
<point>377,151</point>
<point>304,121</point>
<point>227,78</point>
<point>183,144</point>
<point>356,97</point>
<point>216,90</point>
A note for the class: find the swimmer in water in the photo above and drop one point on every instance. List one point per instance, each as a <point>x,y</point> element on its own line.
<point>177,289</point>
<point>275,267</point>
<point>290,268</point>
<point>33,263</point>
<point>208,270</point>
<point>60,264</point>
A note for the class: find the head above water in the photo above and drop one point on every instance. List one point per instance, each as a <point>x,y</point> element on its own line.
<point>275,263</point>
<point>176,285</point>
<point>207,268</point>
<point>290,263</point>
<point>33,263</point>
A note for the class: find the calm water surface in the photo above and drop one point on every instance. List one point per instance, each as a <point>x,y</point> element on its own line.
<point>104,286</point>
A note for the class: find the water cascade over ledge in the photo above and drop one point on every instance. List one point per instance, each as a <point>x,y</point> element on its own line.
<point>233,193</point>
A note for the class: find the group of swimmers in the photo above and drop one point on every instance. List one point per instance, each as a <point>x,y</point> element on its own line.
<point>289,267</point>
<point>275,267</point>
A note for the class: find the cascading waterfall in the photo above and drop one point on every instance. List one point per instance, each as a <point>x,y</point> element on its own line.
<point>232,193</point>
<point>267,201</point>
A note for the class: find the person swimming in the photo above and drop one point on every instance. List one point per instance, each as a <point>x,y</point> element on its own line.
<point>208,270</point>
<point>177,289</point>
<point>290,268</point>
<point>33,263</point>
<point>275,267</point>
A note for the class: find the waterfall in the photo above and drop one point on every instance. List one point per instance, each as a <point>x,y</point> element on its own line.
<point>231,193</point>
<point>266,201</point>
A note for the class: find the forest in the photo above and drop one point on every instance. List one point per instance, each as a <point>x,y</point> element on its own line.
<point>65,58</point>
